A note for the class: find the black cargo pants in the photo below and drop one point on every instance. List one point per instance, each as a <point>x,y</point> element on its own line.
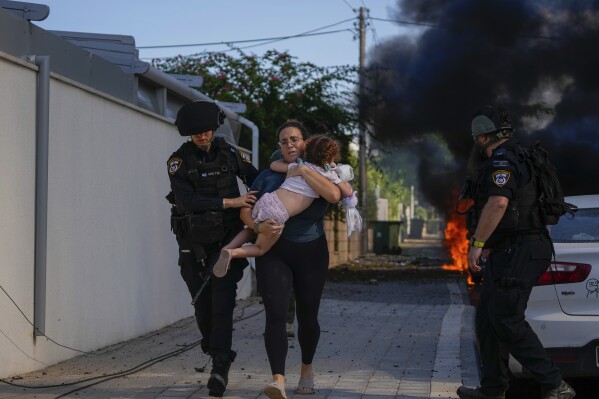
<point>500,325</point>
<point>214,308</point>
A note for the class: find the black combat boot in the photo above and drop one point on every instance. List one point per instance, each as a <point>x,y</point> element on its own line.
<point>564,391</point>
<point>219,376</point>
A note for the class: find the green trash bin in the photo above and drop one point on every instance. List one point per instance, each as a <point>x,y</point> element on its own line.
<point>416,227</point>
<point>386,237</point>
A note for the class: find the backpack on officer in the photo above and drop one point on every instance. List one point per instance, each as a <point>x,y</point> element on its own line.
<point>551,195</point>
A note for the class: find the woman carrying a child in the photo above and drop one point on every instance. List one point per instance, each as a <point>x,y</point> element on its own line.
<point>298,260</point>
<point>291,198</point>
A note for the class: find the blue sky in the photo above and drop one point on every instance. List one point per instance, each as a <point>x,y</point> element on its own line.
<point>154,22</point>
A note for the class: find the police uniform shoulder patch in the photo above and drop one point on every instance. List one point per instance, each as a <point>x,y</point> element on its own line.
<point>501,177</point>
<point>244,157</point>
<point>174,164</point>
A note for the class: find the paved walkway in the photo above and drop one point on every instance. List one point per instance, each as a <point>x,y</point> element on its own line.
<point>403,339</point>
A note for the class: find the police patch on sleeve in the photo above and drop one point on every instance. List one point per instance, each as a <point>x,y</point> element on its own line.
<point>501,177</point>
<point>244,157</point>
<point>174,164</point>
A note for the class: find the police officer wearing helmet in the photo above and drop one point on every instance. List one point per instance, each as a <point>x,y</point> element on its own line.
<point>205,216</point>
<point>511,245</point>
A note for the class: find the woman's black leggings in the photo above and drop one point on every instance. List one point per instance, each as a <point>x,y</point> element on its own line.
<point>304,267</point>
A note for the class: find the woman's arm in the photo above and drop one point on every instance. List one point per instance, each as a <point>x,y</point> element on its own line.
<point>279,166</point>
<point>345,189</point>
<point>323,186</point>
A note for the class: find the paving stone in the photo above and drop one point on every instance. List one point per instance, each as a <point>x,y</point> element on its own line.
<point>388,340</point>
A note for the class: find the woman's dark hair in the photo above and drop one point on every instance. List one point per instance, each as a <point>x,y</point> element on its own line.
<point>296,124</point>
<point>321,149</point>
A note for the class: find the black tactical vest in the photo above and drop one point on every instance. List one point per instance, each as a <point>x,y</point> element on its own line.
<point>217,178</point>
<point>522,214</point>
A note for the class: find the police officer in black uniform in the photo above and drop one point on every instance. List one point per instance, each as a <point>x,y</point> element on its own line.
<point>512,246</point>
<point>205,216</point>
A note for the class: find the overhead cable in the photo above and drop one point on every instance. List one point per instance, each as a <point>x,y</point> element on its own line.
<point>228,42</point>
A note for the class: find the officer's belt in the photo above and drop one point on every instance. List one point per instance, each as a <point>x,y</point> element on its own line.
<point>516,240</point>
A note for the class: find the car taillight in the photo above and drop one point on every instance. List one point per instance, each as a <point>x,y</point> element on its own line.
<point>564,273</point>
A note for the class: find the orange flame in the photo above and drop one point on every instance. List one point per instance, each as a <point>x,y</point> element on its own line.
<point>457,245</point>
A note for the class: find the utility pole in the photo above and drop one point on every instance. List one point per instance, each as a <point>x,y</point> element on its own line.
<point>362,137</point>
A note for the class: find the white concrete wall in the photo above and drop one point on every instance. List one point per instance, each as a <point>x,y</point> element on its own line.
<point>17,202</point>
<point>112,269</point>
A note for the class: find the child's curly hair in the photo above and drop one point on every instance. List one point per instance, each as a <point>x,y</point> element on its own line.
<point>321,149</point>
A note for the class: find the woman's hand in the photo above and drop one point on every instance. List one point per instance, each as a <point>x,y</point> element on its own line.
<point>323,186</point>
<point>245,201</point>
<point>270,228</point>
<point>295,171</point>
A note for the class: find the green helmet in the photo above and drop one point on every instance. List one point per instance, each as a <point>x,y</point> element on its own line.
<point>492,119</point>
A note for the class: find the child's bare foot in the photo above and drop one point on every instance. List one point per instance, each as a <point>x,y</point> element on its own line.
<point>221,267</point>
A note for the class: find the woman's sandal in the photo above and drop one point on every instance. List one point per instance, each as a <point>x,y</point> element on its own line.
<point>275,390</point>
<point>222,264</point>
<point>305,387</point>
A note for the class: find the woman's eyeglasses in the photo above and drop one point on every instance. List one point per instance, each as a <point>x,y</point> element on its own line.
<point>293,140</point>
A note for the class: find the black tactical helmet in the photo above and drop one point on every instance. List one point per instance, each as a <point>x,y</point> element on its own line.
<point>199,117</point>
<point>492,119</point>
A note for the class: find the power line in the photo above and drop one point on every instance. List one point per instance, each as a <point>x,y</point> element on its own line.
<point>21,350</point>
<point>233,48</point>
<point>308,33</point>
<point>142,366</point>
<point>242,41</point>
<point>349,5</point>
<point>36,329</point>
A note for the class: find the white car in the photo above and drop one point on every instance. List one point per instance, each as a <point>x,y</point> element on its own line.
<point>564,305</point>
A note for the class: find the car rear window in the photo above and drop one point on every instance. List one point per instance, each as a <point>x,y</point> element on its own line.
<point>584,227</point>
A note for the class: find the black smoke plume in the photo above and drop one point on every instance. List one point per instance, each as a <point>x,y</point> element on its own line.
<point>539,59</point>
